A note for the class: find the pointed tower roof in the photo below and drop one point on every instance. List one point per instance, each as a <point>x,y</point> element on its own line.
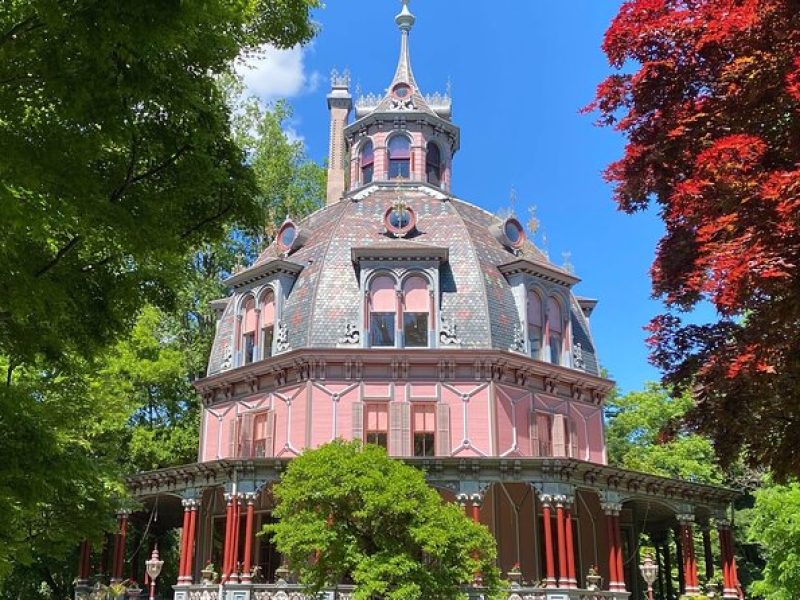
<point>404,93</point>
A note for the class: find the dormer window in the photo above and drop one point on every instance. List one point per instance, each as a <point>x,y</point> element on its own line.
<point>367,162</point>
<point>382,312</point>
<point>535,322</point>
<point>399,149</point>
<point>249,326</point>
<point>433,164</point>
<point>267,323</point>
<point>555,327</point>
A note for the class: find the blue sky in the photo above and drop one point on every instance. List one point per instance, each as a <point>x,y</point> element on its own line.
<point>520,71</point>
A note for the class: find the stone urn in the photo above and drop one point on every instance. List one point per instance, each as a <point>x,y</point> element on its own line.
<point>593,580</point>
<point>282,573</point>
<point>515,576</point>
<point>207,575</point>
<point>134,591</point>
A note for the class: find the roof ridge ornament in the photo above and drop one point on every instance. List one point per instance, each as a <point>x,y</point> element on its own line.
<point>405,22</point>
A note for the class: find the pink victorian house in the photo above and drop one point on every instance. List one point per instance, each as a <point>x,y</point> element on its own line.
<point>403,316</point>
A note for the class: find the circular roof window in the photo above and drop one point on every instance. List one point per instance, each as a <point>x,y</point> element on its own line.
<point>401,91</point>
<point>288,238</point>
<point>400,219</point>
<point>513,233</point>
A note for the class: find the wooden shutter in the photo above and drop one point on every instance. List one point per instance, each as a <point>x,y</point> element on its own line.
<point>573,438</point>
<point>396,429</point>
<point>405,424</point>
<point>442,429</point>
<point>358,421</point>
<point>233,450</point>
<point>270,434</point>
<point>533,429</point>
<point>559,436</point>
<point>246,436</point>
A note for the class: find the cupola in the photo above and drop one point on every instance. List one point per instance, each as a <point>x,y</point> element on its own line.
<point>401,136</point>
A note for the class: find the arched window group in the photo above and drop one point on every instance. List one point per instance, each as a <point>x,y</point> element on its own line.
<point>367,162</point>
<point>399,149</point>
<point>399,319</point>
<point>545,329</point>
<point>257,327</point>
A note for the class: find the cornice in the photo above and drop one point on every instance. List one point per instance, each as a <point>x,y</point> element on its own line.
<point>307,364</point>
<point>546,272</point>
<point>261,270</point>
<point>399,251</point>
<point>449,472</point>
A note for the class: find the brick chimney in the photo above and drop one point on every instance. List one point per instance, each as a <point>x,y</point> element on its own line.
<point>340,103</point>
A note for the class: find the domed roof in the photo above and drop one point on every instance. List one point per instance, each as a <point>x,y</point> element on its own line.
<point>474,291</point>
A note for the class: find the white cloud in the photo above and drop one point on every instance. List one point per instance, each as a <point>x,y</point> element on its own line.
<point>274,74</point>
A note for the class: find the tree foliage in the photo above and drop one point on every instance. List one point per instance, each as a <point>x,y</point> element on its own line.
<point>118,156</point>
<point>374,521</point>
<point>774,524</point>
<point>708,95</point>
<point>645,433</point>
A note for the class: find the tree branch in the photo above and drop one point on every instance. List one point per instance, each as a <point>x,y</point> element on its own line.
<point>131,179</point>
<point>24,26</point>
<point>59,255</point>
<point>206,221</point>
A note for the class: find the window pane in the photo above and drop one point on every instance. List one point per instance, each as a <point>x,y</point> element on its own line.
<point>366,173</point>
<point>555,349</point>
<point>434,176</point>
<point>269,333</point>
<point>415,328</point>
<point>378,438</point>
<point>399,168</point>
<point>381,329</point>
<point>249,345</point>
<point>535,337</point>
<point>423,443</point>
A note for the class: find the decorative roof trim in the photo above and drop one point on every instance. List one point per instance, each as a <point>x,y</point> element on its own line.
<point>546,272</point>
<point>631,485</point>
<point>259,271</point>
<point>400,252</point>
<point>587,304</point>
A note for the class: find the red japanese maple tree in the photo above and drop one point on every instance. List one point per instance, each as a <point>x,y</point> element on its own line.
<point>707,93</point>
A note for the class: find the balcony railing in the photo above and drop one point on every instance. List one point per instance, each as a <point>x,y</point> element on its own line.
<point>287,591</point>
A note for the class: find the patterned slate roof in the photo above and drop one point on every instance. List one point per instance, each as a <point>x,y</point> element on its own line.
<point>474,293</point>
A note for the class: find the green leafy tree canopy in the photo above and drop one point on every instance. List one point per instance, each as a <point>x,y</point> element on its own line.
<point>375,521</point>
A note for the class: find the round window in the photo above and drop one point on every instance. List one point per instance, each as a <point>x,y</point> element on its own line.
<point>402,91</point>
<point>514,233</point>
<point>287,236</point>
<point>400,219</point>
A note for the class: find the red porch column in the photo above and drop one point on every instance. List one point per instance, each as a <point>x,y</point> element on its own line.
<point>620,557</point>
<point>248,537</point>
<point>84,563</point>
<point>563,578</point>
<point>729,575</point>
<point>227,546</point>
<point>689,561</point>
<point>120,538</point>
<point>550,565</point>
<point>237,516</point>
<point>184,541</point>
<point>572,576</point>
<point>477,501</point>
<point>189,566</point>
<point>615,580</point>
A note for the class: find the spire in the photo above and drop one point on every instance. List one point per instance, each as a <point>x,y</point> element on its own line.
<point>405,22</point>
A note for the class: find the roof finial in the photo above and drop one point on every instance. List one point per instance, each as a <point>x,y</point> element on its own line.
<point>405,20</point>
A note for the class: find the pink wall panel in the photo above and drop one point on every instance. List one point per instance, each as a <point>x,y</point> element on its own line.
<point>505,423</point>
<point>378,390</point>
<point>479,421</point>
<point>321,416</point>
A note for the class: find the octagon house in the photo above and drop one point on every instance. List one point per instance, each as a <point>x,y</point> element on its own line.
<point>405,317</point>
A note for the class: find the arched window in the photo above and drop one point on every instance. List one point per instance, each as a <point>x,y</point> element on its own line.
<point>416,312</point>
<point>399,157</point>
<point>555,326</point>
<point>267,323</point>
<point>367,162</point>
<point>535,324</point>
<point>433,164</point>
<point>382,312</point>
<point>249,326</point>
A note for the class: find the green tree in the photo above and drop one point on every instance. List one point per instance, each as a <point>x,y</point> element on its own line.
<point>374,521</point>
<point>645,433</point>
<point>774,524</point>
